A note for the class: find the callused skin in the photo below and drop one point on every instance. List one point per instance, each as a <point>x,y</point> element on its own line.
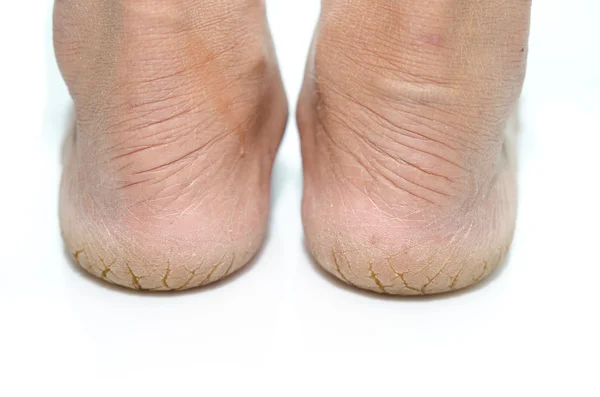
<point>166,179</point>
<point>408,124</point>
<point>408,127</point>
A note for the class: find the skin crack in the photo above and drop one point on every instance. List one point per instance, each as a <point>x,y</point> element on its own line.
<point>430,280</point>
<point>107,269</point>
<point>485,268</point>
<point>349,267</point>
<point>230,265</point>
<point>76,255</point>
<point>455,279</point>
<point>192,275</point>
<point>166,276</point>
<point>207,279</point>
<point>401,277</point>
<point>374,277</point>
<point>338,269</point>
<point>135,280</point>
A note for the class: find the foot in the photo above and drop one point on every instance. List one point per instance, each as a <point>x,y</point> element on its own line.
<point>408,131</point>
<point>179,113</point>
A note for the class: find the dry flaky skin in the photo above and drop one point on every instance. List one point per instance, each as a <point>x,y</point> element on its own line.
<point>157,279</point>
<point>166,180</point>
<point>408,124</point>
<point>401,274</point>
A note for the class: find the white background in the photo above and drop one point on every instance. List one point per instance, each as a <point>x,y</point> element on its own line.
<point>282,327</point>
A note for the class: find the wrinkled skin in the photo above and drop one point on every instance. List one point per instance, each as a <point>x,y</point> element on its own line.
<point>166,179</point>
<point>408,124</point>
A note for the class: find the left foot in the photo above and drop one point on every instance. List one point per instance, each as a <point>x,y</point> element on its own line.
<point>180,110</point>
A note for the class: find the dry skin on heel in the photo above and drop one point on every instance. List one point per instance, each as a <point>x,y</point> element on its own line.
<point>410,160</point>
<point>166,181</point>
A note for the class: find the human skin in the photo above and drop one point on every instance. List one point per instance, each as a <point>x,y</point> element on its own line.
<point>408,127</point>
<point>408,123</point>
<point>166,179</point>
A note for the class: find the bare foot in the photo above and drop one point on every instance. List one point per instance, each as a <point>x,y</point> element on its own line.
<point>180,110</point>
<point>408,122</point>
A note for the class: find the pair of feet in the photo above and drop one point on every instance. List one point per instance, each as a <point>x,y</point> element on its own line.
<point>407,120</point>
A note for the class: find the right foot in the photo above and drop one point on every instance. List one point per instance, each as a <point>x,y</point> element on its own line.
<point>179,113</point>
<point>408,126</point>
